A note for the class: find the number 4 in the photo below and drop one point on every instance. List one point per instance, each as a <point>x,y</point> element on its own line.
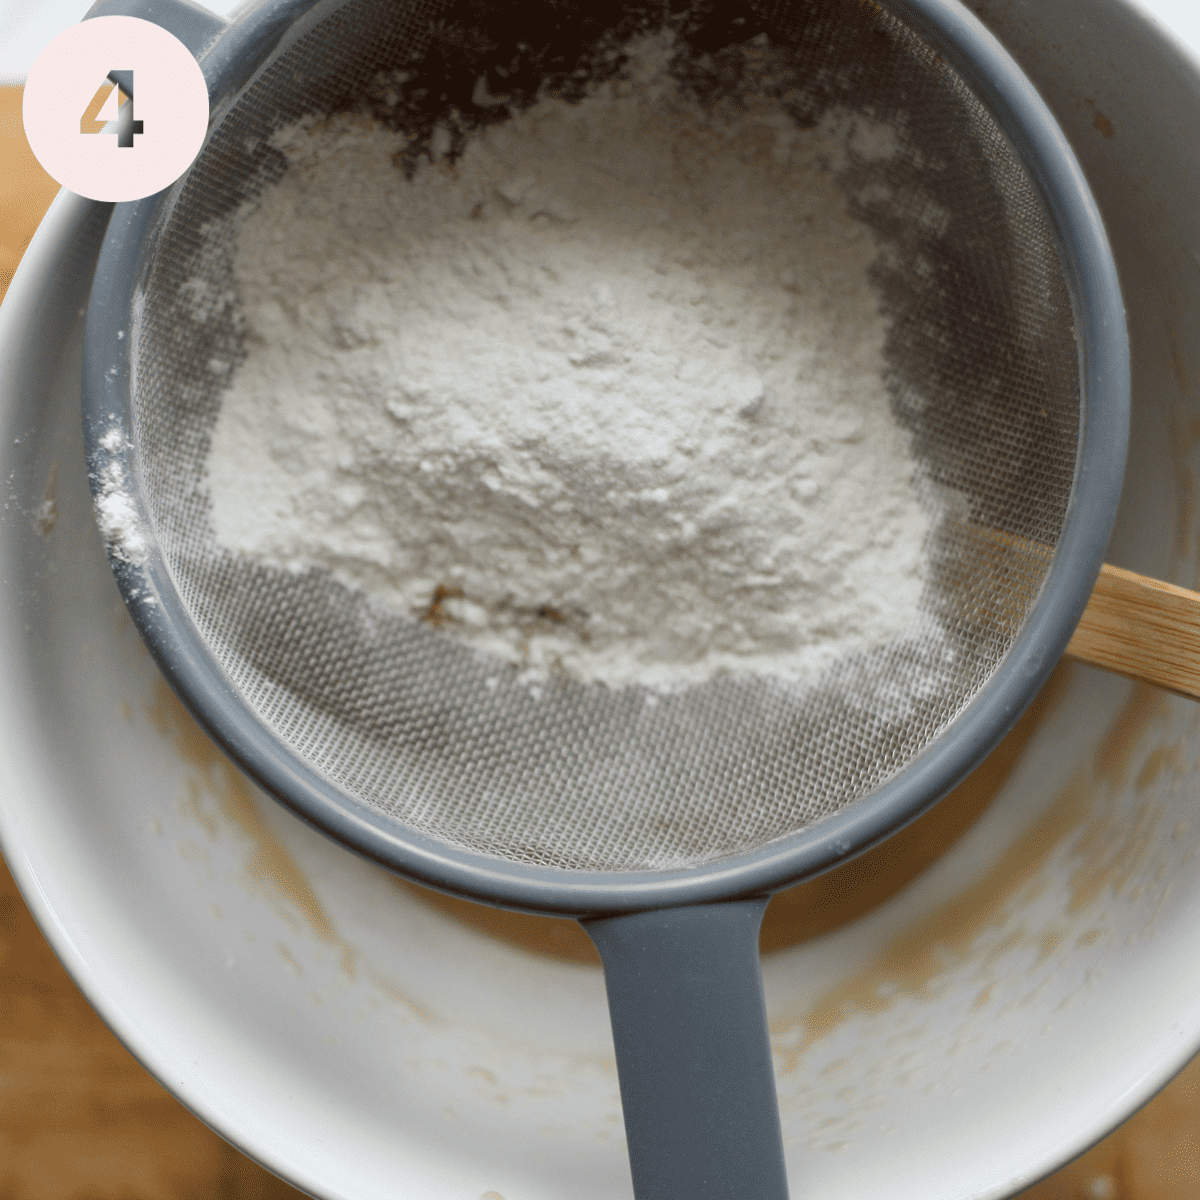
<point>101,106</point>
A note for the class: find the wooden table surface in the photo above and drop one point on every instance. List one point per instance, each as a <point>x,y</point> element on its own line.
<point>81,1120</point>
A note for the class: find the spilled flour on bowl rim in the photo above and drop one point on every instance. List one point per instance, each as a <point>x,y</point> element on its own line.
<point>603,394</point>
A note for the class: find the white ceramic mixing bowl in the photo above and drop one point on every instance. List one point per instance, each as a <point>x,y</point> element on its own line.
<point>997,1016</point>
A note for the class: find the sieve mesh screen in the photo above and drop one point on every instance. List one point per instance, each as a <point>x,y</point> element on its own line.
<point>984,373</point>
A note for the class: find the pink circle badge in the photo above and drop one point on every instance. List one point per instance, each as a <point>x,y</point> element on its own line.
<point>115,108</point>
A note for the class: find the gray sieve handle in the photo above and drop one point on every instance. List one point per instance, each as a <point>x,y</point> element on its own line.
<point>193,25</point>
<point>690,1030</point>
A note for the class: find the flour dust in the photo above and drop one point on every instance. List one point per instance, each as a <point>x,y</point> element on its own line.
<point>602,395</point>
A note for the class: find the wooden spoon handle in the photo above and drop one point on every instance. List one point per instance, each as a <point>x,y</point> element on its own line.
<point>1142,628</point>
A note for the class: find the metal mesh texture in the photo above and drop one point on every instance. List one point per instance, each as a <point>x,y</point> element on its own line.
<point>984,372</point>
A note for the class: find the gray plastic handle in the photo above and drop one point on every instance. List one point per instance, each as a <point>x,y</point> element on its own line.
<point>693,1056</point>
<point>194,26</point>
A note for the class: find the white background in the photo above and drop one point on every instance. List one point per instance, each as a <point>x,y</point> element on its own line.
<point>27,25</point>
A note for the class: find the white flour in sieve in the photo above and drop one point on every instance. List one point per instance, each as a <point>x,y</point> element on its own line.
<point>603,396</point>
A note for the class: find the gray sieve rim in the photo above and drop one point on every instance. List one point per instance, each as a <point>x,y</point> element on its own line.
<point>229,63</point>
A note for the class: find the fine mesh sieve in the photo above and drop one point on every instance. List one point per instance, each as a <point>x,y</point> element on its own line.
<point>1007,366</point>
